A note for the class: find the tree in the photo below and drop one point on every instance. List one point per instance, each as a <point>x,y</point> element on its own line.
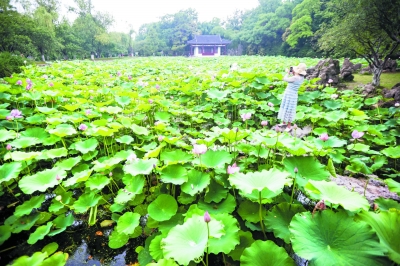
<point>366,28</point>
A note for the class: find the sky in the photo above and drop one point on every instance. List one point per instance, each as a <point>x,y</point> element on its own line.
<point>139,12</point>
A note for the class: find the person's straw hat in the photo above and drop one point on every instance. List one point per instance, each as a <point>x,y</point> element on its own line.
<point>300,69</point>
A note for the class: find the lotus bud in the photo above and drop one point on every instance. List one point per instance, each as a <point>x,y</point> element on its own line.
<point>270,104</point>
<point>58,198</point>
<point>110,174</point>
<point>19,82</point>
<point>150,101</point>
<point>264,123</point>
<point>58,178</point>
<point>160,138</point>
<point>207,217</point>
<point>296,170</point>
<point>9,147</point>
<point>324,137</point>
<point>82,127</point>
<point>397,104</point>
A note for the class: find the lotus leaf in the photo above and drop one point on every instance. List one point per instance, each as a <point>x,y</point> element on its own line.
<point>35,260</point>
<point>197,182</point>
<point>39,233</point>
<point>41,180</point>
<point>86,145</point>
<point>5,233</point>
<point>86,201</point>
<point>127,223</point>
<point>334,238</point>
<point>117,240</point>
<point>174,174</point>
<point>63,130</point>
<point>10,171</point>
<point>163,208</point>
<point>227,242</point>
<point>262,253</point>
<point>140,167</point>
<point>175,156</point>
<point>392,152</point>
<point>393,185</point>
<point>97,182</point>
<point>27,207</point>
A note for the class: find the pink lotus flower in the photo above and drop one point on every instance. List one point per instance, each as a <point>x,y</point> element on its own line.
<point>160,138</point>
<point>324,137</point>
<point>45,76</point>
<point>9,117</point>
<point>330,80</point>
<point>58,178</point>
<point>270,104</point>
<point>334,96</point>
<point>264,123</point>
<point>278,129</point>
<point>129,77</point>
<point>51,84</point>
<point>199,149</point>
<point>118,73</point>
<point>28,81</point>
<point>9,147</point>
<point>245,116</point>
<point>295,170</point>
<point>150,101</point>
<point>19,82</point>
<point>356,135</point>
<point>88,112</point>
<point>15,113</point>
<point>28,86</point>
<point>233,169</point>
<point>110,174</point>
<point>157,86</point>
<point>397,104</point>
<point>82,127</point>
<point>295,126</point>
<point>207,217</point>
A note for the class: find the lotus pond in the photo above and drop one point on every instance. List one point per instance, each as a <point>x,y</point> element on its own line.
<point>178,161</point>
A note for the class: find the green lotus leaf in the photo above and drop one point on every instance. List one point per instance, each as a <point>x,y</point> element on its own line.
<point>163,262</point>
<point>279,218</point>
<point>103,131</point>
<point>117,240</point>
<point>71,107</point>
<point>63,221</point>
<point>50,248</point>
<point>139,130</point>
<point>154,153</point>
<point>227,242</point>
<point>227,205</point>
<point>392,152</point>
<point>134,184</point>
<point>386,225</point>
<point>24,142</point>
<point>334,239</point>
<point>57,259</point>
<point>174,174</point>
<point>6,135</point>
<point>78,177</point>
<point>123,100</point>
<point>332,104</point>
<point>332,193</point>
<point>86,145</point>
<point>140,167</point>
<point>22,223</point>
<point>262,253</point>
<point>175,156</point>
<point>36,119</point>
<point>27,207</point>
<point>217,94</point>
<point>10,171</point>
<point>111,109</point>
<point>35,260</point>
<point>126,139</point>
<point>246,239</point>
<point>215,192</point>
<point>41,180</point>
<point>379,161</point>
<point>97,182</point>
<point>274,180</point>
<point>55,153</point>
<point>386,204</point>
<point>106,163</point>
<point>86,201</point>
<point>63,130</point>
<point>358,147</point>
<point>134,187</point>
<point>163,208</point>
<point>308,168</point>
<point>357,165</point>
<point>66,198</point>
<point>216,159</point>
<point>186,242</point>
<point>67,164</point>
<point>197,182</point>
<point>46,110</point>
<point>249,211</point>
<point>162,116</point>
<point>22,156</point>
<point>393,185</point>
<point>5,233</point>
<point>127,223</point>
<point>39,233</point>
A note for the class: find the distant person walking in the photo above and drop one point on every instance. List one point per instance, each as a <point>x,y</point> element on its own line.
<point>287,110</point>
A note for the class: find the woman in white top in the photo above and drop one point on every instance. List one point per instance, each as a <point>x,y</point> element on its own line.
<point>287,110</point>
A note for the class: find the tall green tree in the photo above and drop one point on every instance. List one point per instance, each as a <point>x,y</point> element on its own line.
<point>366,28</point>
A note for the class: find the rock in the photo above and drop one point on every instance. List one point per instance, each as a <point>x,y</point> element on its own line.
<point>368,90</point>
<point>347,70</point>
<point>390,66</point>
<point>327,70</point>
<point>357,66</point>
<point>394,93</point>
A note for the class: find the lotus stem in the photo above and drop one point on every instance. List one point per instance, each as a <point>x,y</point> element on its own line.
<point>365,187</point>
<point>293,189</point>
<point>260,214</point>
<point>208,237</point>
<point>4,250</point>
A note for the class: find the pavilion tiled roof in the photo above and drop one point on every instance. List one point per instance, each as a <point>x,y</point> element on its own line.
<point>208,39</point>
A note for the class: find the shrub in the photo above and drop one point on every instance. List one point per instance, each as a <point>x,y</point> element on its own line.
<point>10,64</point>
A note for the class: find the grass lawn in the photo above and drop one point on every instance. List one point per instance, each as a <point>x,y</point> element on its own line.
<point>388,80</point>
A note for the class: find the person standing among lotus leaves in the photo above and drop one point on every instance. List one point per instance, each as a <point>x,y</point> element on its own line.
<point>287,110</point>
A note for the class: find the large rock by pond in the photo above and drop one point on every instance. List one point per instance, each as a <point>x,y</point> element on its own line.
<point>389,66</point>
<point>327,70</point>
<point>394,93</point>
<point>347,70</point>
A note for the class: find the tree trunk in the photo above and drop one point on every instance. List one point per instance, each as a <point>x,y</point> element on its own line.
<point>376,79</point>
<point>43,59</point>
